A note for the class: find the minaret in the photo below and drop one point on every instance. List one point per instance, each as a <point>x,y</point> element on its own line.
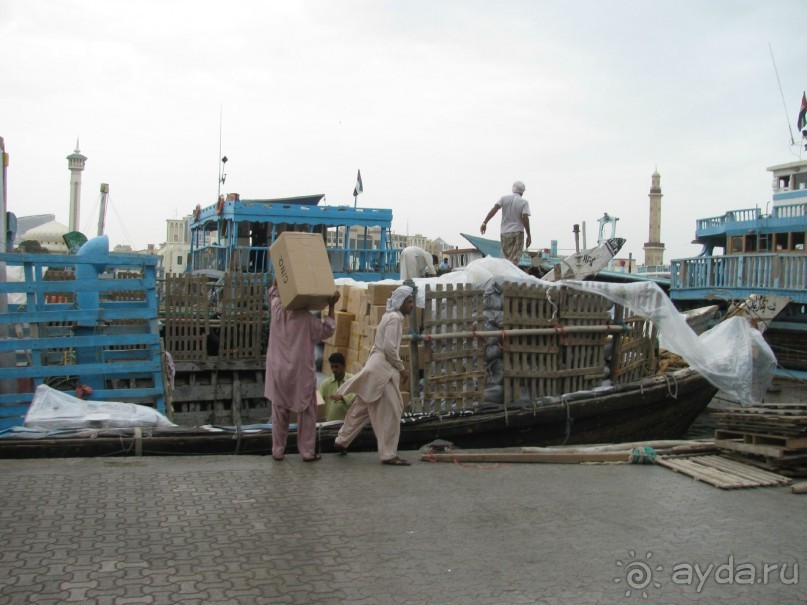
<point>75,162</point>
<point>654,249</point>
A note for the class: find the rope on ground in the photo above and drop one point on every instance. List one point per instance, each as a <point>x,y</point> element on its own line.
<point>642,455</point>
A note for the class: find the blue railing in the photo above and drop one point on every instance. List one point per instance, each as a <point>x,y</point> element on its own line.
<point>94,325</point>
<point>740,275</point>
<point>781,216</point>
<point>364,264</point>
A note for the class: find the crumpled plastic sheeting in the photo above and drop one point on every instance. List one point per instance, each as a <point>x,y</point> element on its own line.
<point>52,409</point>
<point>733,356</point>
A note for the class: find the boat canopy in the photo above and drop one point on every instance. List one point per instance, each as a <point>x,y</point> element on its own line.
<point>236,234</point>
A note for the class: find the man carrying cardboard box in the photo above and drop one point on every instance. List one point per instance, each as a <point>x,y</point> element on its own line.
<point>291,376</point>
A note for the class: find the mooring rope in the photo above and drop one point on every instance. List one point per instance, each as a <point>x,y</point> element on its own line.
<point>671,379</point>
<point>642,455</point>
<point>569,420</point>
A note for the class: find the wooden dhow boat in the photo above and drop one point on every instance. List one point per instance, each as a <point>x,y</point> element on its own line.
<point>548,365</point>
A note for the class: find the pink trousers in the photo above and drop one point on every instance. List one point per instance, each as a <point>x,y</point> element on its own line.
<point>306,430</point>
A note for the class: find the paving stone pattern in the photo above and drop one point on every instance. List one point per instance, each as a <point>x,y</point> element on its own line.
<point>249,530</point>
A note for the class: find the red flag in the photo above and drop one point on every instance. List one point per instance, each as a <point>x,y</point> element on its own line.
<point>359,186</point>
<point>802,121</point>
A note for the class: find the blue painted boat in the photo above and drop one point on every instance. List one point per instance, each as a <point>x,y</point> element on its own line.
<point>754,253</point>
<point>236,234</point>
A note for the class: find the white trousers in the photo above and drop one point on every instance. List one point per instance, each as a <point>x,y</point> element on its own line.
<point>385,418</point>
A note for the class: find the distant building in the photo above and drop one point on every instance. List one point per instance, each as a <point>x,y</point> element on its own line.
<point>49,235</point>
<point>26,223</point>
<point>175,250</point>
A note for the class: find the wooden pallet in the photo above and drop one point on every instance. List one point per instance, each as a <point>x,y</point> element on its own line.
<point>722,472</point>
<point>784,420</point>
<point>768,464</point>
<point>787,442</point>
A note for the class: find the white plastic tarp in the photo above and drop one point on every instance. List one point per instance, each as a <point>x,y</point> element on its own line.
<point>52,409</point>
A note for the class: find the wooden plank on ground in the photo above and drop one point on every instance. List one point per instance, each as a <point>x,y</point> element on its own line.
<point>722,472</point>
<point>561,457</point>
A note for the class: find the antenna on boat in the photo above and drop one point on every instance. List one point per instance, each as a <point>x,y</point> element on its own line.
<point>789,129</point>
<point>223,160</point>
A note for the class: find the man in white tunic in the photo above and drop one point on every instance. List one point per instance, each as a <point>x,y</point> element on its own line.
<point>377,385</point>
<point>416,262</point>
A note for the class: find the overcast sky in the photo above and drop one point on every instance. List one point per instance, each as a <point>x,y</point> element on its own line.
<point>441,104</point>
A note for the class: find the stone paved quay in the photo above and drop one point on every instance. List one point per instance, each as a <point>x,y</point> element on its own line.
<point>243,530</point>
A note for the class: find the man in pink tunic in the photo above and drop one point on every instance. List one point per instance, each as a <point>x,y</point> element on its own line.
<point>291,376</point>
<point>378,394</point>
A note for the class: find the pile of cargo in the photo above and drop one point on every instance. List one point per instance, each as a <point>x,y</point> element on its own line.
<point>305,281</point>
<point>359,311</point>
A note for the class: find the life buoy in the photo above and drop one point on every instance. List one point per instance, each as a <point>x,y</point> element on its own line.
<point>220,205</point>
<point>197,211</point>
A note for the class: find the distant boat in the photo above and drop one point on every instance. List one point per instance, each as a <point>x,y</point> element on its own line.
<point>754,263</point>
<point>236,234</point>
<point>580,265</point>
<point>586,263</point>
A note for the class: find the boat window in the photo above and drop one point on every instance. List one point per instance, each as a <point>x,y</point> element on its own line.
<point>798,241</point>
<point>750,243</point>
<point>781,242</point>
<point>800,181</point>
<point>736,244</point>
<point>764,242</point>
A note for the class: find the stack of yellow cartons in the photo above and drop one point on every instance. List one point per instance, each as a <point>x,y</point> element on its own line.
<point>339,340</point>
<point>362,310</point>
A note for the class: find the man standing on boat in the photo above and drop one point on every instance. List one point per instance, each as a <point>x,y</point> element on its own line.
<point>377,385</point>
<point>515,222</point>
<point>291,376</point>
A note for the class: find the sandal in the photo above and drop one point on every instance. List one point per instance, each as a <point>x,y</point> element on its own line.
<point>341,449</point>
<point>397,461</point>
<point>313,458</point>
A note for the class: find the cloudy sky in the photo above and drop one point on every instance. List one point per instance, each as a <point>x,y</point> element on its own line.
<point>442,104</point>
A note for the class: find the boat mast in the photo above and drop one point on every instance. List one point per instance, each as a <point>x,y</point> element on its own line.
<point>102,209</point>
<point>787,120</point>
<point>223,160</point>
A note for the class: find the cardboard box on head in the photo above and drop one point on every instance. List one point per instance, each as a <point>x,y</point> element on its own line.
<point>302,270</point>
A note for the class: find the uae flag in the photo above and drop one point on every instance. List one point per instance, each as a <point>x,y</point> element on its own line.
<point>802,121</point>
<point>359,187</point>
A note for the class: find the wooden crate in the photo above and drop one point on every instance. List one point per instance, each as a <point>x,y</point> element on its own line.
<point>244,319</point>
<point>75,328</point>
<point>553,364</point>
<point>635,352</point>
<point>220,392</point>
<point>187,316</point>
<point>453,368</point>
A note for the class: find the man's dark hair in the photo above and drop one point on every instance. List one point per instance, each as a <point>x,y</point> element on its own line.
<point>336,357</point>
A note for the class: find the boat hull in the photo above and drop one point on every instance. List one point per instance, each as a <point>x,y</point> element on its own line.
<point>658,407</point>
